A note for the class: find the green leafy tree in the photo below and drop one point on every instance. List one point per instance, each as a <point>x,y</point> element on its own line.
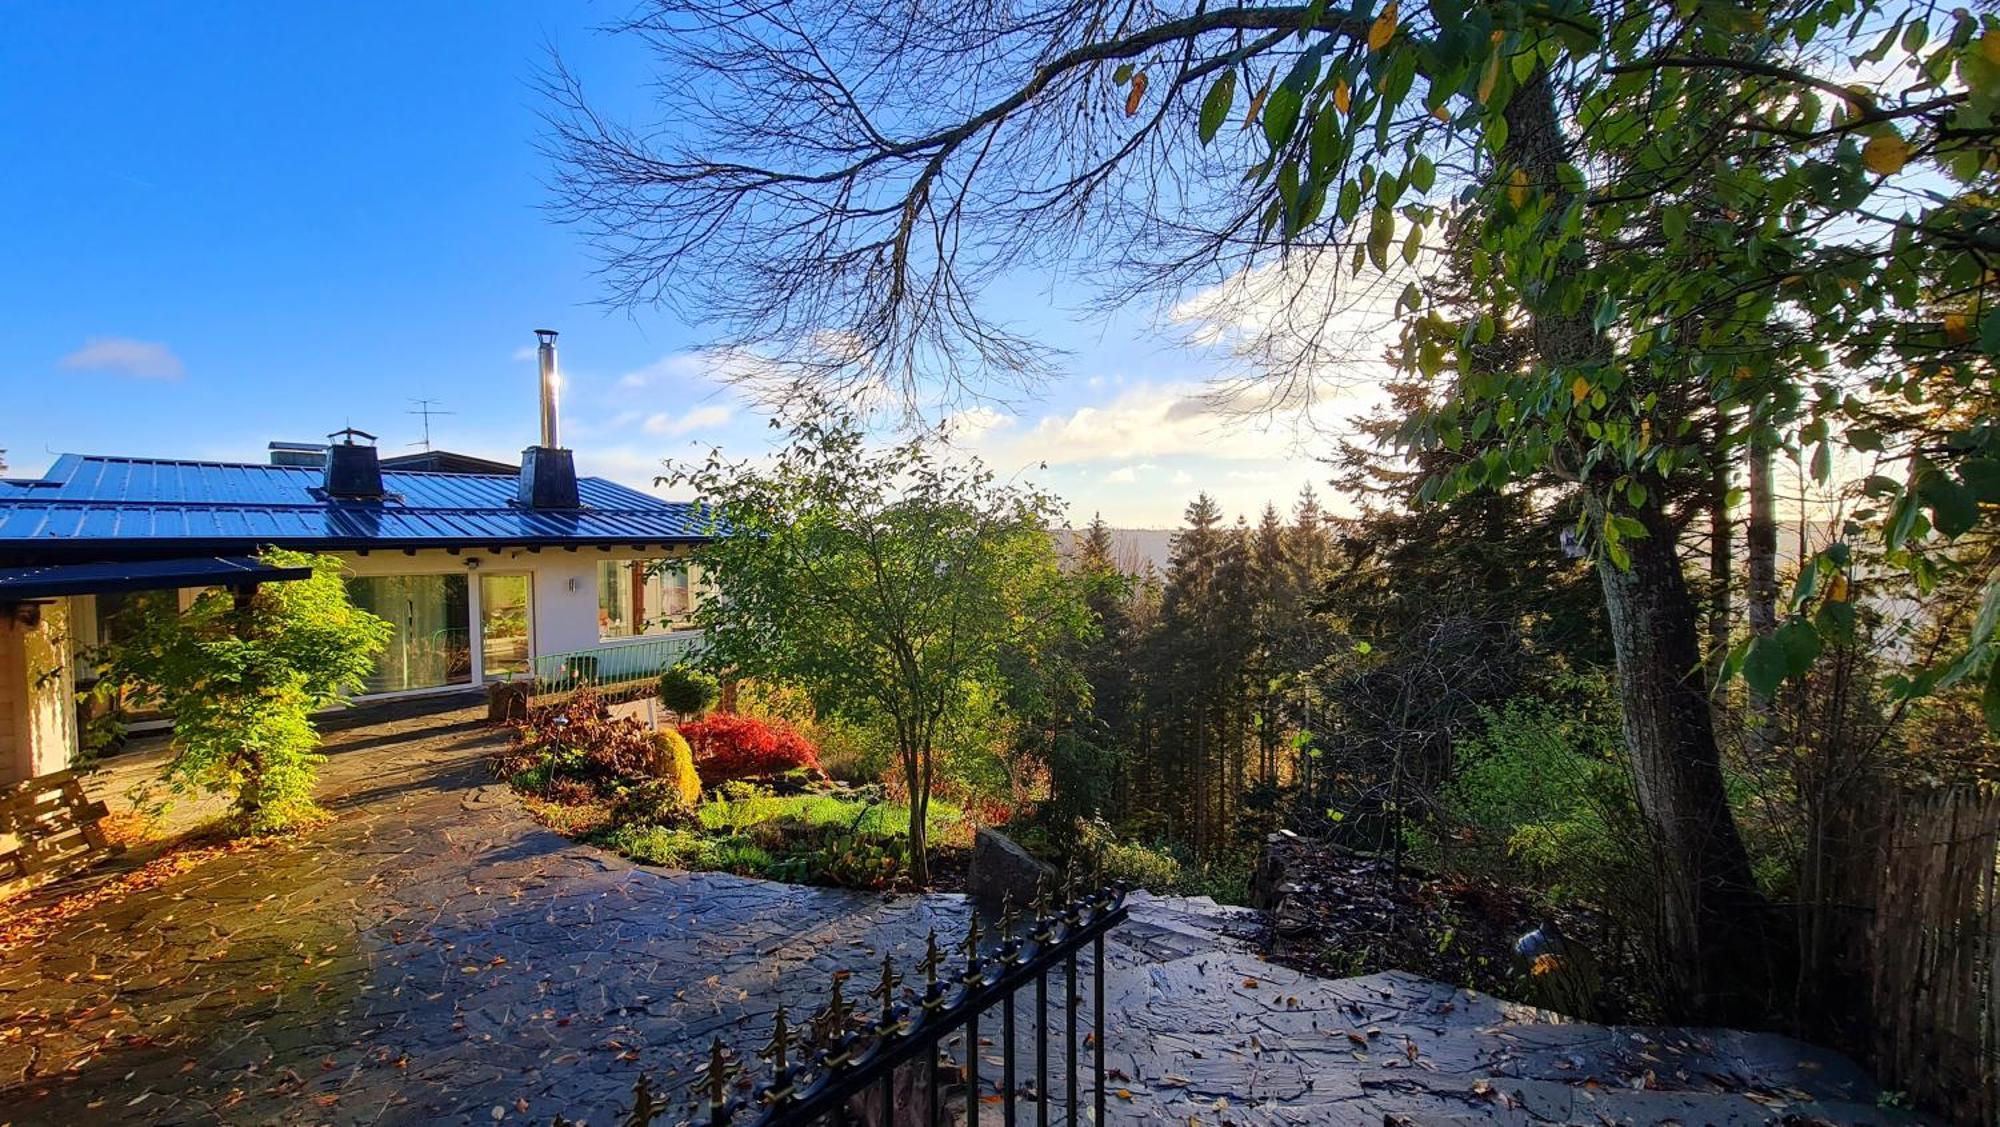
<point>889,582</point>
<point>240,672</point>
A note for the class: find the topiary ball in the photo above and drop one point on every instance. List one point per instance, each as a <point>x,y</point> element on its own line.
<point>688,691</point>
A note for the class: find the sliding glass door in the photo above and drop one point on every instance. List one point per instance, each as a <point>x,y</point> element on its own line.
<point>504,617</point>
<point>431,646</point>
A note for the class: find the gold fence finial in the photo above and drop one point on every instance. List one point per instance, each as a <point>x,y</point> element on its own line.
<point>886,991</point>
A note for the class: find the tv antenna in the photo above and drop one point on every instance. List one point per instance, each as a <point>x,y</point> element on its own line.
<point>426,408</point>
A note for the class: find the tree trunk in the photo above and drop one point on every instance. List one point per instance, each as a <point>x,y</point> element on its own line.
<point>1713,916</point>
<point>1721,558</point>
<point>1761,557</point>
<point>1716,932</point>
<point>917,779</point>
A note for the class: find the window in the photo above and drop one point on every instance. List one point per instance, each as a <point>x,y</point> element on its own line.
<point>639,597</point>
<point>614,599</point>
<point>117,612</point>
<point>431,646</point>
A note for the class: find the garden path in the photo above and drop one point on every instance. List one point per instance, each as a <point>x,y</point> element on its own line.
<point>434,956</point>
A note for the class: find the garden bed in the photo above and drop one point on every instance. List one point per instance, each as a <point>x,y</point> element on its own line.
<point>843,837</point>
<point>754,802</point>
<point>1340,914</point>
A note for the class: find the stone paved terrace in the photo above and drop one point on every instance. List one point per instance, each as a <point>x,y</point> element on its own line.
<point>433,956</point>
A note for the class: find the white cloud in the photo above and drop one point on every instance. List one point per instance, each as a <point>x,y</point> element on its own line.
<point>1144,421</point>
<point>1123,475</point>
<point>681,366</point>
<point>145,359</point>
<point>976,422</point>
<point>664,423</point>
<point>1182,477</point>
<point>1305,341</point>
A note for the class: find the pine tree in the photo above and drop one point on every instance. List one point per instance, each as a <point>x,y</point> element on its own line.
<point>1106,660</point>
<point>1307,543</point>
<point>1276,615</point>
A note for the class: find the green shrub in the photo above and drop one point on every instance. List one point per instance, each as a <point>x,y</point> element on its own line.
<point>1542,798</point>
<point>675,768</point>
<point>861,860</point>
<point>854,752</point>
<point>656,802</point>
<point>688,691</point>
<point>1140,866</point>
<point>1096,849</point>
<point>1083,778</point>
<point>740,790</point>
<point>1224,878</point>
<point>241,679</point>
<point>661,845</point>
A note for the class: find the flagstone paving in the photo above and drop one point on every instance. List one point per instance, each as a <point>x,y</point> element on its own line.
<point>433,956</point>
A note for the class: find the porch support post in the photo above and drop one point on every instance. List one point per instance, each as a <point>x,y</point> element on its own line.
<point>475,633</point>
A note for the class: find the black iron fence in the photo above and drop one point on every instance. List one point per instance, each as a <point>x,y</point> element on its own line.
<point>893,1063</point>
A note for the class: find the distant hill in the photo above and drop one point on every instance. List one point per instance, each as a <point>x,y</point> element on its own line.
<point>1132,548</point>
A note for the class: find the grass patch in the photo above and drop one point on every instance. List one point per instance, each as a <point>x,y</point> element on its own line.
<point>946,823</point>
<point>571,819</point>
<point>840,840</point>
<point>690,849</point>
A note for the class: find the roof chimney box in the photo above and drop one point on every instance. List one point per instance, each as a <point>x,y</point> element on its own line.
<point>352,470</point>
<point>548,472</point>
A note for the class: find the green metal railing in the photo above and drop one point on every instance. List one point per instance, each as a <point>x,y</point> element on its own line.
<point>615,663</point>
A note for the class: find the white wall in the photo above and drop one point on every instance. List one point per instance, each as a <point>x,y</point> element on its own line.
<point>565,600</point>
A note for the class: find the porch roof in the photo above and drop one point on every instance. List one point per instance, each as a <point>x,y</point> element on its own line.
<point>22,584</point>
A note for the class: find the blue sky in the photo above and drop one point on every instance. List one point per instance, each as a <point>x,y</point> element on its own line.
<point>231,223</point>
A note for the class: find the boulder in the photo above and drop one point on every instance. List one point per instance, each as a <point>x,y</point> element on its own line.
<point>1271,881</point>
<point>1002,870</point>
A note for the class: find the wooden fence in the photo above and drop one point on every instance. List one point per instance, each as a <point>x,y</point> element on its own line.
<point>1934,952</point>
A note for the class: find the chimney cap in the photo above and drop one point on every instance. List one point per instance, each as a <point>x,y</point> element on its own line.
<point>347,435</point>
<point>548,335</point>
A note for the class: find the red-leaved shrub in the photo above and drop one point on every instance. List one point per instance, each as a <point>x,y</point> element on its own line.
<point>727,746</point>
<point>579,741</point>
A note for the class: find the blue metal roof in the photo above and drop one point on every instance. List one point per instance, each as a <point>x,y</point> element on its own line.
<point>98,506</point>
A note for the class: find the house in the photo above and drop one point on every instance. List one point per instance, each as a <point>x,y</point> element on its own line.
<point>485,576</point>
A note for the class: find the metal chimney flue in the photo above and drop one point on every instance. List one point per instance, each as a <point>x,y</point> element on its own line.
<point>548,472</point>
<point>551,389</point>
